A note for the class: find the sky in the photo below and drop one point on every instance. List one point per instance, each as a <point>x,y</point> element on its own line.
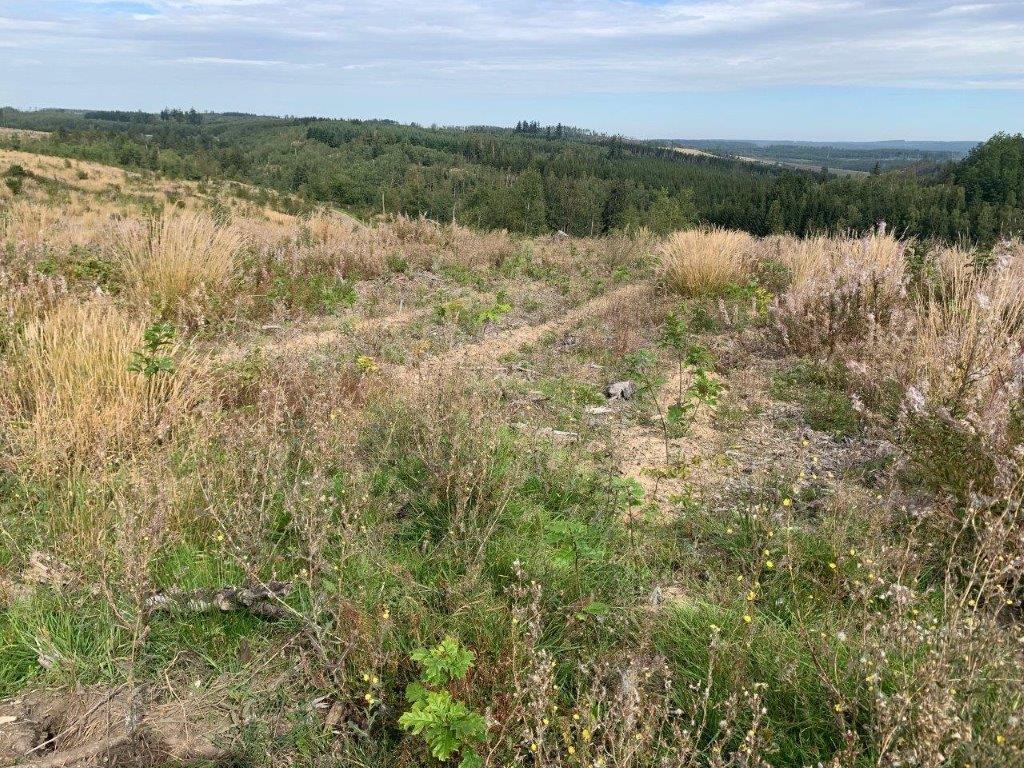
<point>764,69</point>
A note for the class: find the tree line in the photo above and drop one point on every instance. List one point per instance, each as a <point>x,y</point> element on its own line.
<point>537,179</point>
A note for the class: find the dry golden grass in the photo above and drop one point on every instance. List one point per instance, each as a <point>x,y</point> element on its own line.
<point>819,263</point>
<point>23,133</point>
<point>701,262</point>
<point>174,263</point>
<point>69,398</point>
<point>304,452</point>
<point>961,347</point>
<point>30,226</point>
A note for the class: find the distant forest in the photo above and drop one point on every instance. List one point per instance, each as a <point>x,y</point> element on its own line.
<point>536,179</point>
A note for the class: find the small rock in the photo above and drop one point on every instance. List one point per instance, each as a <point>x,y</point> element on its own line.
<point>620,390</point>
<point>558,435</point>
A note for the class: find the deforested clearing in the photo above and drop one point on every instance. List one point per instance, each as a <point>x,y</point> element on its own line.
<point>283,487</point>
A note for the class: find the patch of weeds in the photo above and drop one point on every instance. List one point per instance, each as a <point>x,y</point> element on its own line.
<point>473,315</point>
<point>317,294</point>
<point>714,645</point>
<point>621,275</point>
<point>19,661</point>
<point>14,178</point>
<point>16,171</point>
<point>751,301</point>
<point>223,642</point>
<point>820,389</point>
<point>241,381</point>
<point>460,274</point>
<point>772,275</point>
<point>730,415</point>
<point>530,304</point>
<point>566,396</point>
<point>702,319</point>
<point>397,263</point>
<point>86,266</point>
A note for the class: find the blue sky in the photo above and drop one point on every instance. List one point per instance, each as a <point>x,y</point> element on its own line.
<point>801,69</point>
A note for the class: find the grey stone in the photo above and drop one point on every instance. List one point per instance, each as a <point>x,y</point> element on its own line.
<point>620,390</point>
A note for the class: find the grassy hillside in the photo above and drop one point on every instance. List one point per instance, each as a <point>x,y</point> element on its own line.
<point>278,487</point>
<point>531,179</point>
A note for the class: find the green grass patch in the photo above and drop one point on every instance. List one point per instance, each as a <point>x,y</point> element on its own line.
<point>820,390</point>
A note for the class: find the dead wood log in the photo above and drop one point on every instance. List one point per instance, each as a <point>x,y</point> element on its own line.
<point>263,600</point>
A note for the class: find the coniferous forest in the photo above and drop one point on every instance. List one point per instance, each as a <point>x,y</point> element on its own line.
<point>535,179</point>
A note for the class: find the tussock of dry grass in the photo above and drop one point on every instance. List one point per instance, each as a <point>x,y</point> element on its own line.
<point>702,262</point>
<point>69,397</point>
<point>174,263</point>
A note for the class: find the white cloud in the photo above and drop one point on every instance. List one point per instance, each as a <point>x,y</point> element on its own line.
<point>526,46</point>
<point>219,61</point>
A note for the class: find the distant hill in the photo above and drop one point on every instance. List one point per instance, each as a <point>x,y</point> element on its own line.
<point>534,178</point>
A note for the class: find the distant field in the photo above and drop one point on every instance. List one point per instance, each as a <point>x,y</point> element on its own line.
<point>841,157</point>
<point>692,151</point>
<point>22,133</point>
<point>801,165</point>
<point>797,164</point>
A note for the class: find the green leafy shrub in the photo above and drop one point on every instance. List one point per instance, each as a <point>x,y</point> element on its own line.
<point>474,315</point>
<point>446,724</point>
<point>703,388</point>
<point>151,359</point>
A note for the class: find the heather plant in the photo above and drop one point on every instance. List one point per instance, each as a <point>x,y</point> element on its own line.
<point>948,378</point>
<point>844,292</point>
